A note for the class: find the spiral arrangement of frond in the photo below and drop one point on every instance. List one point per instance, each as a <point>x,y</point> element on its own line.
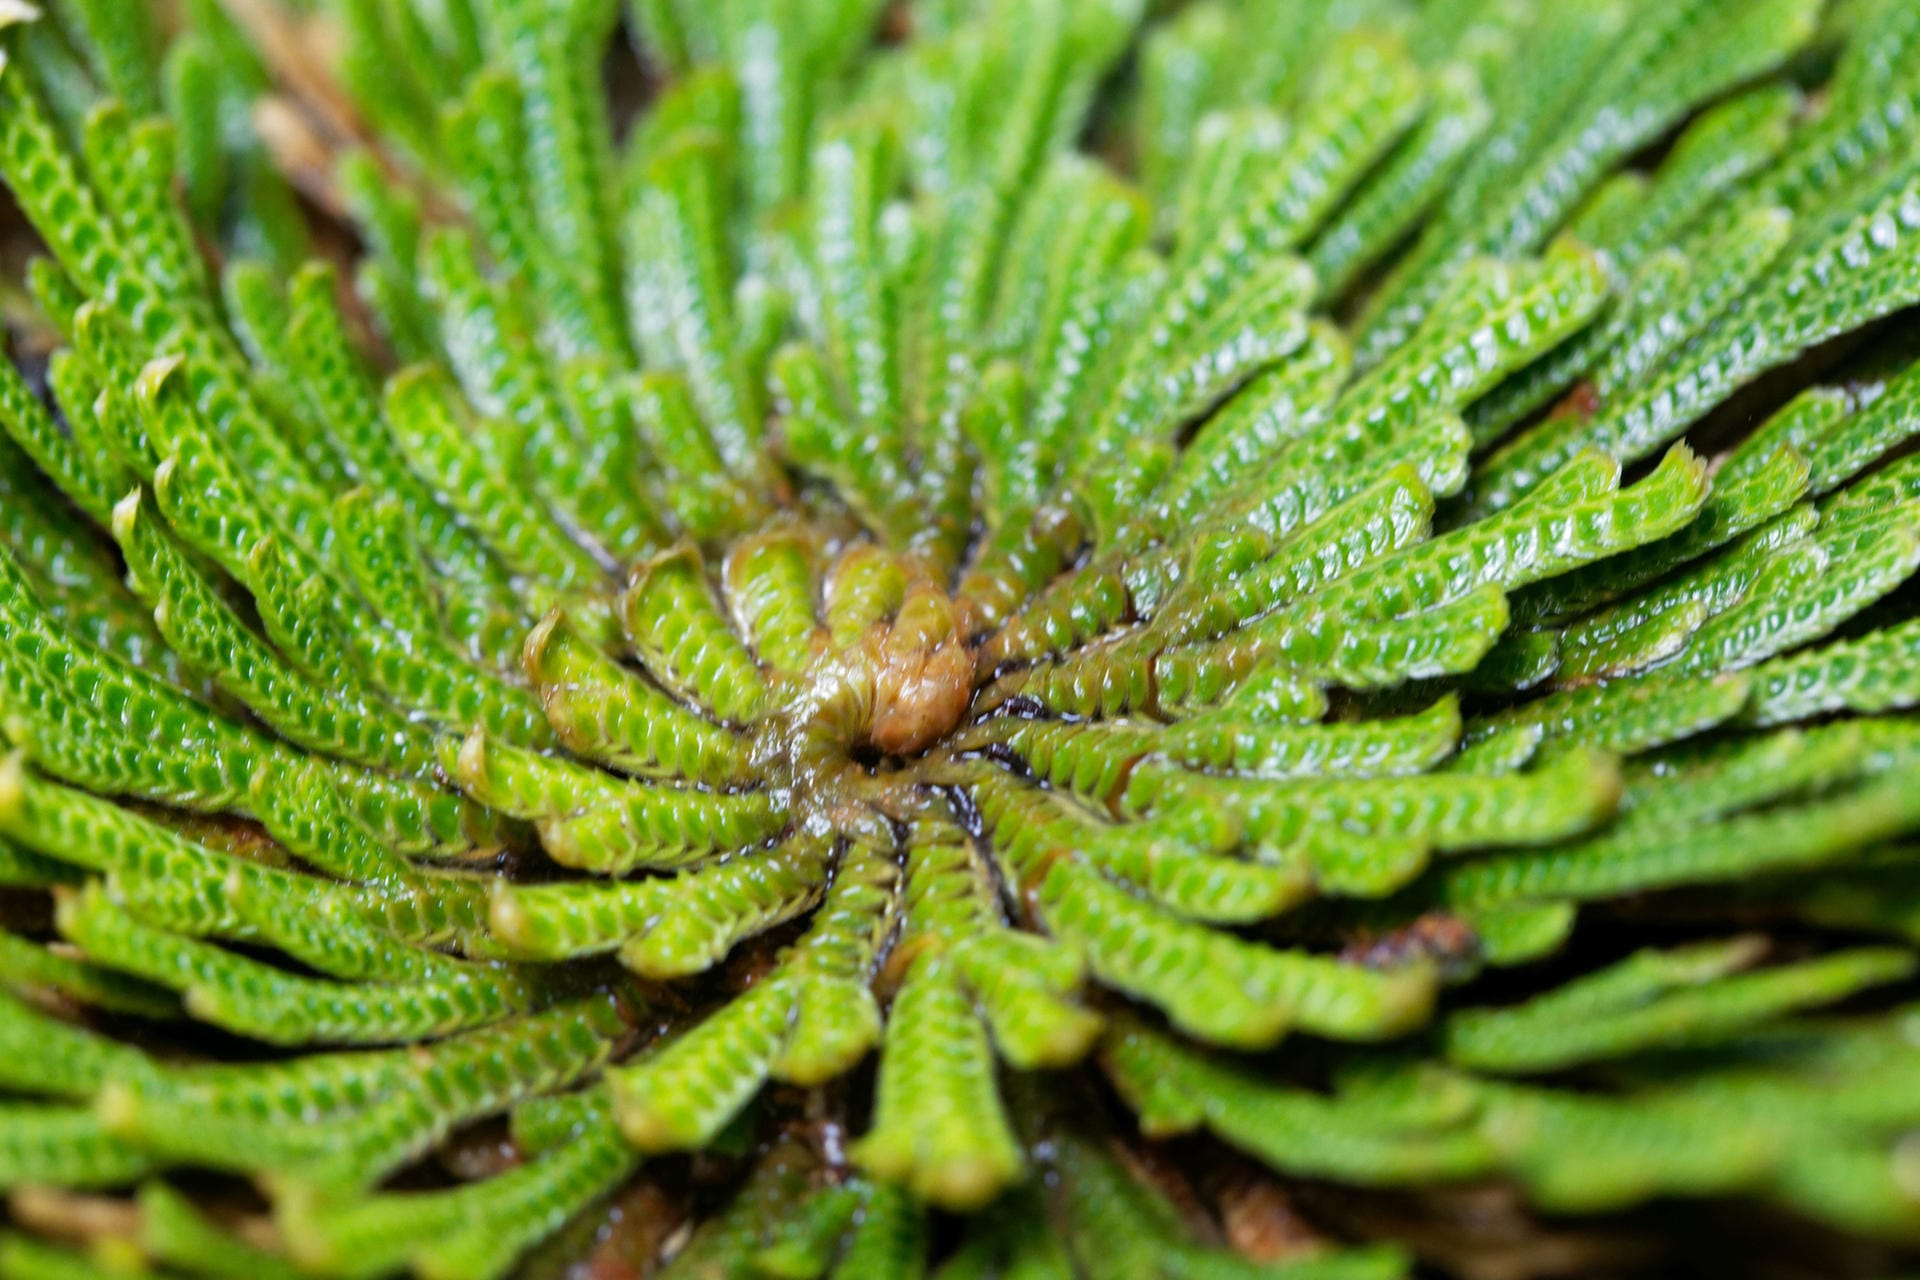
<point>976,566</point>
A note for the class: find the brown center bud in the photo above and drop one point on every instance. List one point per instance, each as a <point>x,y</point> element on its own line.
<point>923,674</point>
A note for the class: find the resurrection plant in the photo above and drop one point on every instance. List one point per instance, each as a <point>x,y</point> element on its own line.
<point>1003,638</point>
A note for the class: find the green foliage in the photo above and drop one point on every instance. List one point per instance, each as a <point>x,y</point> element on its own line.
<point>960,549</point>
